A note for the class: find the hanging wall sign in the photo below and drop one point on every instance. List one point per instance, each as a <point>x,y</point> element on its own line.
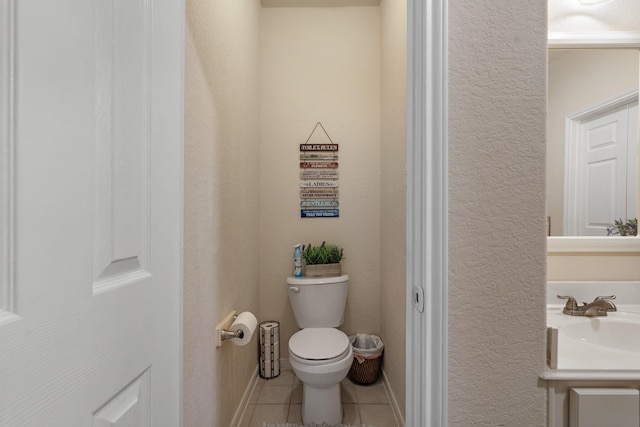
<point>313,156</point>
<point>319,174</point>
<point>320,213</point>
<point>319,184</point>
<point>318,165</point>
<point>319,203</point>
<point>330,193</point>
<point>319,179</point>
<point>318,147</point>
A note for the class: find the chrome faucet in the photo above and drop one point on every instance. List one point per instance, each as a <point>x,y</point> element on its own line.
<point>599,307</point>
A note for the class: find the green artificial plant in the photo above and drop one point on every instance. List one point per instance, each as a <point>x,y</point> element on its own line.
<point>323,254</point>
<point>619,227</point>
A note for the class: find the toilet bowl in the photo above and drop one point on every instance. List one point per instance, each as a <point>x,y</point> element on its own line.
<point>320,354</point>
<point>321,359</point>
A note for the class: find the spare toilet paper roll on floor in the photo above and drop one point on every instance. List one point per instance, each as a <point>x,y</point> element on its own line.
<point>246,322</point>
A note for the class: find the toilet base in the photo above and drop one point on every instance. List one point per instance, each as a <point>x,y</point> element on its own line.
<point>321,405</point>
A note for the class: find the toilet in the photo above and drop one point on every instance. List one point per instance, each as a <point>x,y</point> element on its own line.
<point>320,354</point>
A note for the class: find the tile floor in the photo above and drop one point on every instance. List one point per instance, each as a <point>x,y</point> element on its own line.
<point>279,400</point>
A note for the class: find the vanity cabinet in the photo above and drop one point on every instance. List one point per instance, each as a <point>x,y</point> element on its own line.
<point>597,407</point>
<point>595,402</point>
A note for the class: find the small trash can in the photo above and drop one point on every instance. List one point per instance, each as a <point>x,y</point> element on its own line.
<point>269,349</point>
<point>367,355</point>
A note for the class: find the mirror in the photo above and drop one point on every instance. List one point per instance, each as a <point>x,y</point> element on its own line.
<point>592,131</point>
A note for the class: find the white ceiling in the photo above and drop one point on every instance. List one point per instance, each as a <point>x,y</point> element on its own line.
<point>318,3</point>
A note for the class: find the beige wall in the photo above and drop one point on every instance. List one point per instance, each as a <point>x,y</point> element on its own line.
<point>393,193</point>
<point>497,58</point>
<point>221,203</point>
<point>570,266</point>
<point>320,64</point>
<point>579,79</point>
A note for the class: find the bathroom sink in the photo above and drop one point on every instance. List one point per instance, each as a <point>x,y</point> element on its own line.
<point>597,343</point>
<point>620,334</point>
<point>594,348</point>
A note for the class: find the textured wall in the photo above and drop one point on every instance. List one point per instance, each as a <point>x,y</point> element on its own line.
<point>320,64</point>
<point>393,16</point>
<point>497,57</point>
<point>221,203</point>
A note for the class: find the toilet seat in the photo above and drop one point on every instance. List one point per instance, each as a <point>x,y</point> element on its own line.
<point>318,346</point>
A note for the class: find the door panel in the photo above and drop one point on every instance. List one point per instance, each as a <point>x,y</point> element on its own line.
<point>122,136</point>
<point>605,189</point>
<point>129,408</point>
<point>604,153</point>
<point>90,331</point>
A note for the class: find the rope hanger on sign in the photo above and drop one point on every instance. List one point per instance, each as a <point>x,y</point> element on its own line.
<point>314,129</point>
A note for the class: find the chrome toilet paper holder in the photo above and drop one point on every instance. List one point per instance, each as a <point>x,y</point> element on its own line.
<point>223,331</point>
<point>226,334</point>
<point>238,327</point>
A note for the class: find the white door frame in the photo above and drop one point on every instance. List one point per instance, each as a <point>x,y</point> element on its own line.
<point>427,206</point>
<point>7,147</point>
<point>573,125</point>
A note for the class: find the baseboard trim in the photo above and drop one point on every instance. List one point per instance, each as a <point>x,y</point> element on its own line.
<point>397,412</point>
<point>246,397</point>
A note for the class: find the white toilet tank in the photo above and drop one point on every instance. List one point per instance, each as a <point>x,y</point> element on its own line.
<point>318,302</point>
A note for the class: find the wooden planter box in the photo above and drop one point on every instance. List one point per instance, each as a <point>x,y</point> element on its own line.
<point>323,270</point>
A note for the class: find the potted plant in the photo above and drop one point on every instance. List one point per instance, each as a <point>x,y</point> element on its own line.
<point>323,260</point>
<point>628,228</point>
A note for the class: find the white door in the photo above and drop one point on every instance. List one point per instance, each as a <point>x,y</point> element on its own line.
<point>90,212</point>
<point>606,187</point>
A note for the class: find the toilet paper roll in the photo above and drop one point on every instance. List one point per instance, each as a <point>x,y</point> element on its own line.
<point>271,354</point>
<point>246,322</point>
<point>269,332</point>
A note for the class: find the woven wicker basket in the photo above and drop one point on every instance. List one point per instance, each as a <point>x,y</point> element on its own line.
<point>366,372</point>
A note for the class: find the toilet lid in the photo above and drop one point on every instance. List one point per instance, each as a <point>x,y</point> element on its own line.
<point>319,343</point>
